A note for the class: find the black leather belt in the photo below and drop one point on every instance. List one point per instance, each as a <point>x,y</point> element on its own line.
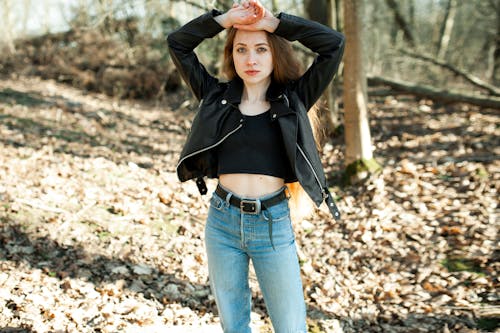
<point>255,206</point>
<point>252,206</point>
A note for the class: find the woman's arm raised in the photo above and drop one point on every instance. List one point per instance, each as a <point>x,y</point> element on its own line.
<point>323,40</point>
<point>184,40</point>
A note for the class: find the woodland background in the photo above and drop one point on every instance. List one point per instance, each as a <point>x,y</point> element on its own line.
<point>98,235</point>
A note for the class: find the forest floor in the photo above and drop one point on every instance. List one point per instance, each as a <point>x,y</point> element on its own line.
<point>98,235</point>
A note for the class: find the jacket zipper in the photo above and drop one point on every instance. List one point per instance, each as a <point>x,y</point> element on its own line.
<point>209,147</point>
<point>314,172</point>
<point>286,100</point>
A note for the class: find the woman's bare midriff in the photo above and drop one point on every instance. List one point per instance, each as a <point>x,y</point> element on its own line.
<point>249,185</point>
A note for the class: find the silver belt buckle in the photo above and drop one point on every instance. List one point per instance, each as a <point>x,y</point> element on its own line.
<point>254,206</point>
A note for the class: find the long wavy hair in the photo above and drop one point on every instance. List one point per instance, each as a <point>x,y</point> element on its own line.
<point>287,68</point>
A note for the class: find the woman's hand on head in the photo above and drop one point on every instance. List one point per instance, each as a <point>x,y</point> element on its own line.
<point>257,7</point>
<point>248,12</point>
<point>248,15</point>
<point>267,22</point>
<point>245,13</point>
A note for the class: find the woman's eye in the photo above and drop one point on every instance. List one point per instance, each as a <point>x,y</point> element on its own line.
<point>240,50</point>
<point>261,50</point>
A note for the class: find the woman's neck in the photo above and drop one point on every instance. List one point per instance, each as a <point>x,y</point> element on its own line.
<point>255,92</point>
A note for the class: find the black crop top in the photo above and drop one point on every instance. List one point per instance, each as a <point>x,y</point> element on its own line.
<point>256,148</point>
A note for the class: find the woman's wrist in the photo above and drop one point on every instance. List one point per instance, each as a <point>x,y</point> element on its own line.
<point>224,20</point>
<point>272,23</point>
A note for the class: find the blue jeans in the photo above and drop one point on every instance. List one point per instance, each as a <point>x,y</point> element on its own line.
<point>233,238</point>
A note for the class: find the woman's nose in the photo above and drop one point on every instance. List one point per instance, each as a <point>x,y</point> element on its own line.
<point>251,60</point>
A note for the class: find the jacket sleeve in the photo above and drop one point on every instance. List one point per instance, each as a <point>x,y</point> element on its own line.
<point>326,42</point>
<point>181,44</point>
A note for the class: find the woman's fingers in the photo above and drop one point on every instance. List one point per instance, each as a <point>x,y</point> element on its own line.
<point>258,8</point>
<point>240,15</point>
<point>248,27</point>
<point>248,12</point>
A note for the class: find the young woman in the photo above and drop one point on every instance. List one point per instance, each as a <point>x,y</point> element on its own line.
<point>253,134</point>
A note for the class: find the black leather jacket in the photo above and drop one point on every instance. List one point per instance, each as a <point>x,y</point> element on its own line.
<point>216,118</point>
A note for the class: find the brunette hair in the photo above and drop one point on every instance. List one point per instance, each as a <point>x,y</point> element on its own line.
<point>287,68</point>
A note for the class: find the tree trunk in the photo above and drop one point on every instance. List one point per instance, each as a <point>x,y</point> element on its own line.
<point>25,18</point>
<point>496,53</point>
<point>401,22</point>
<point>357,130</point>
<point>8,27</point>
<point>105,15</point>
<point>317,10</point>
<point>275,7</point>
<point>332,92</point>
<point>411,13</point>
<point>332,14</point>
<point>339,12</point>
<point>449,21</point>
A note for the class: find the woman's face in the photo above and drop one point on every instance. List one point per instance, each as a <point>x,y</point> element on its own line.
<point>252,56</point>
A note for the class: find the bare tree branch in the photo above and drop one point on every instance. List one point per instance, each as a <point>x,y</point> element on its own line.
<point>467,76</point>
<point>442,95</point>
<point>193,4</point>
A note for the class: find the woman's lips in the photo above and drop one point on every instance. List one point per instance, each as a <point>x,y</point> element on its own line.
<point>252,72</point>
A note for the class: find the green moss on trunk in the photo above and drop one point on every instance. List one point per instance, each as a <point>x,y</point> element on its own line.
<point>359,170</point>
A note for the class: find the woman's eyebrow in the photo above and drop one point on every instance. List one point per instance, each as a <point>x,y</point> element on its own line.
<point>258,44</point>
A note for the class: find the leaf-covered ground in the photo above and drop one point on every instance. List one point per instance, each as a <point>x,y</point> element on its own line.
<point>97,234</point>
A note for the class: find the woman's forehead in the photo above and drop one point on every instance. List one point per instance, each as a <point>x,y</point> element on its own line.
<point>250,37</point>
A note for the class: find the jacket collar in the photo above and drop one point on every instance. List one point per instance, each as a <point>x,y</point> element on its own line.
<point>275,91</point>
<point>235,90</point>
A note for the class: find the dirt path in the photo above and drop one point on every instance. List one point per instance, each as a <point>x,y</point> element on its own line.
<point>97,234</point>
